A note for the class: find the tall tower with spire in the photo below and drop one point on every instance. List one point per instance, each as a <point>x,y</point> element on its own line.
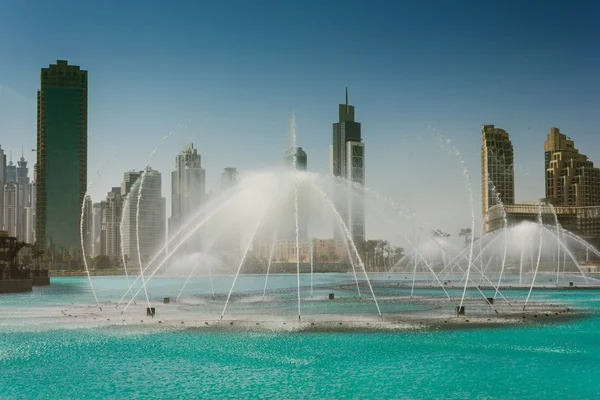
<point>24,207</point>
<point>347,162</point>
<point>11,170</point>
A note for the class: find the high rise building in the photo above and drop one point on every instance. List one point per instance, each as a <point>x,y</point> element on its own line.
<point>11,171</point>
<point>301,158</point>
<point>111,223</point>
<point>97,229</point>
<point>2,182</point>
<point>29,228</point>
<point>571,178</point>
<point>33,202</point>
<point>86,226</point>
<point>347,161</point>
<point>187,186</point>
<point>151,217</point>
<point>101,249</point>
<point>22,173</point>
<point>2,165</point>
<point>11,208</point>
<point>228,243</point>
<point>229,178</point>
<point>288,228</point>
<point>497,168</point>
<point>61,159</point>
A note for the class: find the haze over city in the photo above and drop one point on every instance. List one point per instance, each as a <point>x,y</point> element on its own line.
<point>227,76</point>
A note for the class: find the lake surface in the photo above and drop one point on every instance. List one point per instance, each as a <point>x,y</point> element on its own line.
<point>560,360</point>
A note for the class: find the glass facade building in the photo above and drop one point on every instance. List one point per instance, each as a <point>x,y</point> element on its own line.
<point>497,168</point>
<point>61,160</point>
<point>347,161</point>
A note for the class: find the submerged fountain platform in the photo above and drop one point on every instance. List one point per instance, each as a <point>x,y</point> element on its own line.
<point>400,312</point>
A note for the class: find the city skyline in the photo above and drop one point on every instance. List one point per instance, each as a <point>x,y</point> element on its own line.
<point>407,90</point>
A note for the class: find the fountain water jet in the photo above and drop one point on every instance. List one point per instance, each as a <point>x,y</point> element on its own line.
<point>295,166</point>
<point>349,237</point>
<point>271,252</point>
<point>87,270</point>
<point>242,263</point>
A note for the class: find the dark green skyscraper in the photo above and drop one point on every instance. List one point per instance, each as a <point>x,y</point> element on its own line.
<point>61,160</point>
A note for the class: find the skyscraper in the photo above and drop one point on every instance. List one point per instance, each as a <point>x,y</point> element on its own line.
<point>111,222</point>
<point>24,199</point>
<point>228,243</point>
<point>151,216</point>
<point>86,226</point>
<point>2,182</point>
<point>97,229</point>
<point>288,230</point>
<point>29,228</point>
<point>33,202</point>
<point>571,179</point>
<point>497,168</point>
<point>2,165</point>
<point>61,158</point>
<point>347,161</point>
<point>301,158</point>
<point>229,178</point>
<point>187,186</point>
<point>11,208</point>
<point>22,171</point>
<point>11,171</point>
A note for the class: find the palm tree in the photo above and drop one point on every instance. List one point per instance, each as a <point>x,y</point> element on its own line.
<point>382,246</point>
<point>467,233</point>
<point>441,234</point>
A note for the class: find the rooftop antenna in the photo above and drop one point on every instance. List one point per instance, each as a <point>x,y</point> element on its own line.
<point>347,100</point>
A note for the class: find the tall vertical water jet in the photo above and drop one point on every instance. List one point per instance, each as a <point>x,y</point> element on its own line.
<point>137,232</point>
<point>557,242</point>
<point>521,264</point>
<point>412,289</point>
<point>84,256</point>
<point>349,237</point>
<point>537,266</point>
<point>350,259</point>
<point>311,268</point>
<point>505,228</point>
<point>467,180</point>
<point>122,246</point>
<point>137,213</point>
<point>271,252</point>
<point>295,165</point>
<point>243,260</point>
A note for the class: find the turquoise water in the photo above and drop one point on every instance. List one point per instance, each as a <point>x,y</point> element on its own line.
<point>536,361</point>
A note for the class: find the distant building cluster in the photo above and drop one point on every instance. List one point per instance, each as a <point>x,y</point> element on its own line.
<point>17,199</point>
<point>285,251</point>
<point>53,211</point>
<point>572,186</point>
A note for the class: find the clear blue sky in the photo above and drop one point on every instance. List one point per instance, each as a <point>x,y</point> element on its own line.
<point>226,75</point>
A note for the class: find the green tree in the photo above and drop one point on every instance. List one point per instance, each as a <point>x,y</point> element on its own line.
<point>101,262</point>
